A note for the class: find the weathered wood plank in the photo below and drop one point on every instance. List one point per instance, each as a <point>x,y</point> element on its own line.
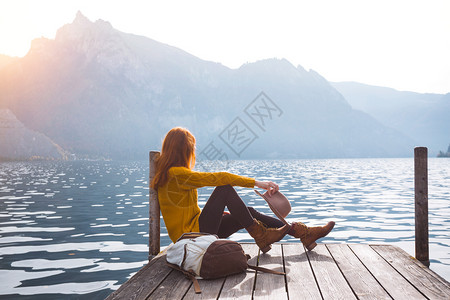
<point>241,286</point>
<point>397,286</point>
<point>331,282</point>
<point>210,289</point>
<point>301,283</point>
<point>415,272</point>
<point>174,286</point>
<point>363,284</point>
<point>145,281</point>
<point>271,286</point>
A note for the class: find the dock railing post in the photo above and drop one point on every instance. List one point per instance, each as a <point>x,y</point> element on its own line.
<point>154,214</point>
<point>421,204</point>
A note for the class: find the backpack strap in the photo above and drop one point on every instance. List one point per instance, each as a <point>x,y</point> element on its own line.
<point>265,270</point>
<point>189,275</point>
<point>197,288</point>
<point>193,235</point>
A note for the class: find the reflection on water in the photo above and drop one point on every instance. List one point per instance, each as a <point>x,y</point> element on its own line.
<point>73,228</point>
<point>80,229</point>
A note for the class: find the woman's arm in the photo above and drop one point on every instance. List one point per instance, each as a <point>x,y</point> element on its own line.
<point>189,179</point>
<point>272,187</point>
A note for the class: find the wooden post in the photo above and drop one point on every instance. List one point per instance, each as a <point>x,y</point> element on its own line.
<point>421,204</point>
<point>154,214</point>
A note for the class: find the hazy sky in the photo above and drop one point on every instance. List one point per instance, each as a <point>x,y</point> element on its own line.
<point>395,43</point>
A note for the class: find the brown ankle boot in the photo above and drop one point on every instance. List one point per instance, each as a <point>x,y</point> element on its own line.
<point>309,235</point>
<point>265,237</point>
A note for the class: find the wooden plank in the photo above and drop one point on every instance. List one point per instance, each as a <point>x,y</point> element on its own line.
<point>241,286</point>
<point>174,286</point>
<point>271,286</point>
<point>144,282</point>
<point>397,286</point>
<point>210,289</point>
<point>331,282</point>
<point>415,272</point>
<point>300,278</point>
<point>363,284</point>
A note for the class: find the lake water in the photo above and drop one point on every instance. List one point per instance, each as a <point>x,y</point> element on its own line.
<point>78,230</point>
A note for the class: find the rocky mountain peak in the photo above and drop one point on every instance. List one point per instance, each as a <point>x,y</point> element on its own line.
<point>97,41</point>
<point>82,30</point>
<point>39,45</point>
<point>81,20</point>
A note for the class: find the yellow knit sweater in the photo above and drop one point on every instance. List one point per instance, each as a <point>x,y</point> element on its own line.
<point>178,197</point>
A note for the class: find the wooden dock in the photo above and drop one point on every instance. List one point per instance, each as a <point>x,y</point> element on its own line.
<point>330,271</point>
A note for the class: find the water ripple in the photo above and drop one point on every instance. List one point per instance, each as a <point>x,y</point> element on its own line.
<point>81,228</point>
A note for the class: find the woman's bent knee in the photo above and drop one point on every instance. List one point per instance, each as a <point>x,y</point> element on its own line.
<point>251,210</point>
<point>224,188</point>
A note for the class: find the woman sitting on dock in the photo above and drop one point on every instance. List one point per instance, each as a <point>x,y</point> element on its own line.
<point>177,184</point>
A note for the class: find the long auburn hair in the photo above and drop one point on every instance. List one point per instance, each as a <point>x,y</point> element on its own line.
<point>178,150</point>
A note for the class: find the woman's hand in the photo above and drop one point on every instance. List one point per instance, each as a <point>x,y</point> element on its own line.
<point>268,185</point>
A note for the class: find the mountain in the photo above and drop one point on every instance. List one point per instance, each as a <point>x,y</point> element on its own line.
<point>422,117</point>
<point>97,91</point>
<point>444,154</point>
<point>19,143</point>
<point>6,60</point>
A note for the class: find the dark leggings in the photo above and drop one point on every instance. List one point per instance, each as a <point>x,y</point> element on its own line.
<point>213,220</point>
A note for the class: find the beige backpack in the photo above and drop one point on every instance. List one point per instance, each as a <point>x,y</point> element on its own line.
<point>205,256</point>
